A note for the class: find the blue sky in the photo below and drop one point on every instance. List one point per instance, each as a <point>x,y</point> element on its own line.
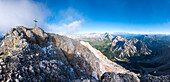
<point>84,16</point>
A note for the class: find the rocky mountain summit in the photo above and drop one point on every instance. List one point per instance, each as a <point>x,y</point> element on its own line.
<point>30,54</point>
<point>108,36</point>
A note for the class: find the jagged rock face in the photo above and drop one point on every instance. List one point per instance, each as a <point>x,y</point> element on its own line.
<point>154,43</point>
<point>112,77</point>
<point>151,78</point>
<point>124,48</point>
<point>109,36</point>
<point>140,46</point>
<point>118,39</point>
<point>98,62</point>
<point>77,55</point>
<point>24,60</point>
<point>105,64</point>
<point>30,54</point>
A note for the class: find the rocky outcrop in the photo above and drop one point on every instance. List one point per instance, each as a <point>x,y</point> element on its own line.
<point>151,78</point>
<point>85,79</point>
<point>124,48</point>
<point>30,54</point>
<point>105,65</point>
<point>108,36</point>
<point>112,77</point>
<point>154,43</point>
<point>23,58</point>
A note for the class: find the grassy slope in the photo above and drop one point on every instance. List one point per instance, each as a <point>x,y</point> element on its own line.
<point>101,45</point>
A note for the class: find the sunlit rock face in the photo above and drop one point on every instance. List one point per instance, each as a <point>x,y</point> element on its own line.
<point>108,36</point>
<point>123,48</point>
<point>30,54</point>
<point>139,54</point>
<point>105,64</point>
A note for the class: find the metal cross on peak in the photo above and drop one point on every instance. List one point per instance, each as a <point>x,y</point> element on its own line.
<point>35,22</point>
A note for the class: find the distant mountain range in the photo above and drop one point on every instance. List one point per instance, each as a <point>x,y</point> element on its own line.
<point>144,54</point>
<point>154,42</point>
<point>115,48</point>
<point>123,48</point>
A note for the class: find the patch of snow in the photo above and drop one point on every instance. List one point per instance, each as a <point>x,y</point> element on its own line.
<point>49,48</point>
<point>37,54</point>
<point>9,54</point>
<point>82,42</point>
<point>61,63</point>
<point>44,49</point>
<point>82,70</point>
<point>20,42</point>
<point>84,64</point>
<point>16,80</point>
<point>94,74</point>
<point>71,69</point>
<point>42,64</point>
<point>65,67</point>
<point>3,44</point>
<point>55,52</point>
<point>8,80</point>
<point>78,54</point>
<point>1,60</point>
<point>87,52</point>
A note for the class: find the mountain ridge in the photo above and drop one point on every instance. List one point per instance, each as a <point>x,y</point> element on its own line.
<point>153,52</point>
<point>30,54</point>
<point>120,47</point>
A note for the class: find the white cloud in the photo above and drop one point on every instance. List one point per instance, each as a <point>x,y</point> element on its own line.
<point>70,21</point>
<point>21,12</point>
<point>65,28</point>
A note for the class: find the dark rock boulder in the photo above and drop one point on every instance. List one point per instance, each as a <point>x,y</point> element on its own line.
<point>85,79</point>
<point>112,77</point>
<point>151,78</point>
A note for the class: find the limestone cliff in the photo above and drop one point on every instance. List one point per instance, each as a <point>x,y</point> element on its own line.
<point>30,54</point>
